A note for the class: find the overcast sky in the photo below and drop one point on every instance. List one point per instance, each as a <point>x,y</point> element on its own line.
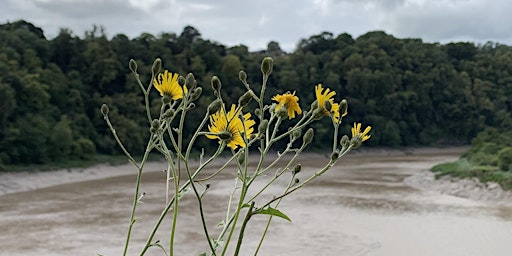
<point>255,23</point>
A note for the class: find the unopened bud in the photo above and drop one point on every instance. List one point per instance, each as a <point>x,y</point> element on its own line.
<point>214,107</point>
<point>343,108</point>
<point>242,76</point>
<point>267,65</point>
<point>296,133</point>
<point>314,105</point>
<point>168,113</point>
<point>133,66</point>
<point>196,93</point>
<point>263,126</point>
<point>245,98</point>
<point>308,137</point>
<point>104,109</point>
<point>296,181</point>
<point>297,169</point>
<point>155,124</point>
<point>344,141</point>
<point>181,81</point>
<point>157,64</point>
<point>257,112</point>
<point>216,84</point>
<point>190,81</point>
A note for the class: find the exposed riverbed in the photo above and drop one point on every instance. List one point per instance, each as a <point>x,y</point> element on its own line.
<point>362,206</point>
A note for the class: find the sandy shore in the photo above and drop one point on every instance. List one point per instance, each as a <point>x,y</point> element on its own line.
<point>13,182</point>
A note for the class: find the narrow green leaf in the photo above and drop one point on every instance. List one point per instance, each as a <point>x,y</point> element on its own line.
<point>273,212</point>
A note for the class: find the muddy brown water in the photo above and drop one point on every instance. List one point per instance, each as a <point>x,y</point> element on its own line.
<point>360,207</point>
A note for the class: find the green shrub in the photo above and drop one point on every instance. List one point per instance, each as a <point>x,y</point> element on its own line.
<point>505,159</point>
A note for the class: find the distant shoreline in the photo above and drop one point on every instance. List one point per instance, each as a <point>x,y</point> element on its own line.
<point>14,182</point>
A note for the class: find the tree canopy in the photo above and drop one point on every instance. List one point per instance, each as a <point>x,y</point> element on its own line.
<point>411,92</point>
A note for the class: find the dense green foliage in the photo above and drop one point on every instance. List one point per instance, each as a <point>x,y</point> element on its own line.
<point>412,93</point>
<point>489,158</point>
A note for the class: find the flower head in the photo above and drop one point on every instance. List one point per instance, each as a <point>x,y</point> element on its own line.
<point>229,126</point>
<point>290,102</point>
<point>167,85</point>
<point>356,132</point>
<point>324,96</point>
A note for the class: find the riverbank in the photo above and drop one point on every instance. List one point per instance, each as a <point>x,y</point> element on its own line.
<point>361,206</point>
<point>13,182</point>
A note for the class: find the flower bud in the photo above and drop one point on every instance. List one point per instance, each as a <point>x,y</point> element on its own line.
<point>245,98</point>
<point>104,109</point>
<point>155,123</point>
<point>296,133</point>
<point>181,81</point>
<point>133,66</point>
<point>343,108</point>
<point>190,81</point>
<point>308,137</point>
<point>267,65</point>
<point>157,64</point>
<point>257,112</point>
<point>168,113</point>
<point>214,107</point>
<point>344,141</point>
<point>297,169</point>
<point>242,76</point>
<point>296,181</point>
<point>216,84</point>
<point>196,93</point>
<point>263,126</point>
<point>314,105</point>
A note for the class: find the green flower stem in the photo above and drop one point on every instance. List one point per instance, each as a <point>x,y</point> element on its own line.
<point>200,202</point>
<point>242,229</point>
<point>243,193</point>
<point>322,171</point>
<point>171,203</point>
<point>118,140</point>
<point>136,195</point>
<point>198,196</point>
<point>270,217</point>
<point>145,92</point>
<point>335,137</point>
<point>278,174</point>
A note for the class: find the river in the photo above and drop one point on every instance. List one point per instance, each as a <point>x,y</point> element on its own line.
<point>362,206</point>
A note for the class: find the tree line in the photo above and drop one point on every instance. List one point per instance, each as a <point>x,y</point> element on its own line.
<point>411,92</point>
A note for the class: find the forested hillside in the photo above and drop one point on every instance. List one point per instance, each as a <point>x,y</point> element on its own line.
<point>411,92</point>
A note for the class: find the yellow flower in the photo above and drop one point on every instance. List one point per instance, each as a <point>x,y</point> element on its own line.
<point>167,85</point>
<point>229,126</point>
<point>356,132</point>
<point>290,101</point>
<point>323,96</point>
